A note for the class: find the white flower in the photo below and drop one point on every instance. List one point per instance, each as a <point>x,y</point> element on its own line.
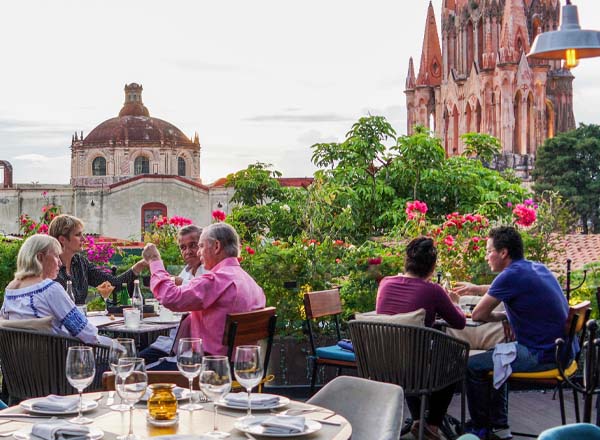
<point>286,207</point>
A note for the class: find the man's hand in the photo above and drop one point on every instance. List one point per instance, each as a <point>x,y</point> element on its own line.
<point>178,281</point>
<point>463,288</point>
<point>453,296</point>
<point>150,253</point>
<point>140,266</point>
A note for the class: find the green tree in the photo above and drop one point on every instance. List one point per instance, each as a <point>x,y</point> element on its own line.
<point>255,185</point>
<point>570,164</point>
<point>481,145</point>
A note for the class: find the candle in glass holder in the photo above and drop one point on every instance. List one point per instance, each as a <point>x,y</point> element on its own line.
<point>162,404</point>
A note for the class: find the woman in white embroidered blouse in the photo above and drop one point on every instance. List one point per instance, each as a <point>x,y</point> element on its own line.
<point>33,294</point>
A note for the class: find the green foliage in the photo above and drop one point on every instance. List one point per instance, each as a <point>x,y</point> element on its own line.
<point>256,185</point>
<point>570,164</point>
<point>9,250</point>
<point>481,145</point>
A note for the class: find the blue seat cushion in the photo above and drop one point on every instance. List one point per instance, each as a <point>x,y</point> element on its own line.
<point>335,353</point>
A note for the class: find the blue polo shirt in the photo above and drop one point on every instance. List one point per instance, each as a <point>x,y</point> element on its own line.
<point>535,305</point>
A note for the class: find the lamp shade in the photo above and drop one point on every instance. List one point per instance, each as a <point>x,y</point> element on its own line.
<point>554,45</point>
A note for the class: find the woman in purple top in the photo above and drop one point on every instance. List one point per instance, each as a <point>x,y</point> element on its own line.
<point>411,291</point>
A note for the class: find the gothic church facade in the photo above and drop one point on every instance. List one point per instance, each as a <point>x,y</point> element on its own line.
<point>479,79</point>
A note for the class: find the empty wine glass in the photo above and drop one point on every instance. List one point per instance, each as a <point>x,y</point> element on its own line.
<point>248,371</point>
<point>80,371</point>
<point>121,348</point>
<point>189,363</point>
<point>215,381</point>
<point>131,388</point>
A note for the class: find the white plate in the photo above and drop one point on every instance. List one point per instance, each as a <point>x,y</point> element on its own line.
<point>310,426</point>
<point>157,320</point>
<point>87,405</point>
<point>283,401</point>
<point>183,394</point>
<point>25,433</point>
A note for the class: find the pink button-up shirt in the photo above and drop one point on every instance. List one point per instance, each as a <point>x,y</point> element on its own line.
<point>227,288</point>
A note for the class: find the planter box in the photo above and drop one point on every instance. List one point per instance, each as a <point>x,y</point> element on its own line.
<point>291,365</point>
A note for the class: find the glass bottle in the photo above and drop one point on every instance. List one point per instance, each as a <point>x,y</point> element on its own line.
<point>70,290</point>
<point>137,300</point>
<point>124,295</point>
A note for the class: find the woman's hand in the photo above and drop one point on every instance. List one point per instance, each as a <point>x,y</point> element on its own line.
<point>140,266</point>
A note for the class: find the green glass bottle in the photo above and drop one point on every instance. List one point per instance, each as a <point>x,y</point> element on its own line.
<point>124,299</point>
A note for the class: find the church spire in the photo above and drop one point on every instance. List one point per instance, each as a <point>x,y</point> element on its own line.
<point>514,37</point>
<point>430,70</point>
<point>410,79</point>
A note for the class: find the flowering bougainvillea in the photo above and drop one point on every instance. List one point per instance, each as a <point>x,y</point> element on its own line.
<point>97,252</point>
<point>525,213</point>
<point>29,226</point>
<point>218,215</point>
<point>163,233</point>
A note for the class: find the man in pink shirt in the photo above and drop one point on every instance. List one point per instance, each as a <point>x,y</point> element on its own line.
<point>225,288</point>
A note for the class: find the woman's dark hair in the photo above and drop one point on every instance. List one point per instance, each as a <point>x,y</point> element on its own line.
<point>507,237</point>
<point>421,256</point>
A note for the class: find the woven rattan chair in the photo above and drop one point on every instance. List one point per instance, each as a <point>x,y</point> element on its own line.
<point>33,363</point>
<point>419,359</point>
<point>374,409</point>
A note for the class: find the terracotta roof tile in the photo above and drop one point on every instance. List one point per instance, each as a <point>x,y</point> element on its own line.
<point>580,248</point>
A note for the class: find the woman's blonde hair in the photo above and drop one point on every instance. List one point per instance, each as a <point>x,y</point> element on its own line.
<point>28,264</point>
<point>63,225</point>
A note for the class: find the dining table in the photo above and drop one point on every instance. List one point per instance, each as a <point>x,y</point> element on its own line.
<point>198,422</point>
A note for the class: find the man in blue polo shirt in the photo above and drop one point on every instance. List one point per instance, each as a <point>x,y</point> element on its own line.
<point>536,309</point>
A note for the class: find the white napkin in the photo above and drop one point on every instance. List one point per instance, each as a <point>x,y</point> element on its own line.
<point>59,430</point>
<point>257,400</point>
<point>281,425</point>
<point>181,437</point>
<point>56,403</point>
<point>502,357</point>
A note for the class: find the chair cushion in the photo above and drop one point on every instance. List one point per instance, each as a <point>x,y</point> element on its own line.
<point>41,324</point>
<point>335,353</point>
<point>483,337</point>
<point>416,318</point>
<point>548,374</point>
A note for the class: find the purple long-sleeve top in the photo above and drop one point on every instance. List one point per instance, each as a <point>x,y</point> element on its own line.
<point>401,294</point>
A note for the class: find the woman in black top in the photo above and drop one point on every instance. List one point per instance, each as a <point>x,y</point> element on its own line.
<point>68,230</point>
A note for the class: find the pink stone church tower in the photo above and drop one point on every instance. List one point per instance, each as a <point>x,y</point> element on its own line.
<point>481,81</point>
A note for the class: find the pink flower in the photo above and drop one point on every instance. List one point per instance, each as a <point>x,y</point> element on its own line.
<point>449,240</point>
<point>375,261</point>
<point>415,206</point>
<point>476,239</point>
<point>219,215</point>
<point>509,204</point>
<point>528,202</point>
<point>525,216</point>
<point>44,194</point>
<point>43,229</point>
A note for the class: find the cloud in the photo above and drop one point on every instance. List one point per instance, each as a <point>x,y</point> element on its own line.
<point>311,137</point>
<point>33,167</point>
<point>316,117</point>
<point>199,65</point>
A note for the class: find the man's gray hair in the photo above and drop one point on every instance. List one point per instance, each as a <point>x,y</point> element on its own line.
<point>226,235</point>
<point>189,229</point>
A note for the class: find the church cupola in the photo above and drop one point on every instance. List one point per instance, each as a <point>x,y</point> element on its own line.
<point>133,105</point>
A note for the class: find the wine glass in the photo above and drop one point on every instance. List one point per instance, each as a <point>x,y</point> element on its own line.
<point>189,363</point>
<point>121,348</point>
<point>131,388</point>
<point>105,292</point>
<point>215,381</point>
<point>248,371</point>
<point>80,371</point>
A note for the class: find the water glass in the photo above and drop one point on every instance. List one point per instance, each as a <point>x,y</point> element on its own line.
<point>248,371</point>
<point>80,371</point>
<point>121,348</point>
<point>189,363</point>
<point>131,388</point>
<point>215,382</point>
<point>132,318</point>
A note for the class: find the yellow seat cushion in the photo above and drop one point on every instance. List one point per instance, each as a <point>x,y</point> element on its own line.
<point>544,375</point>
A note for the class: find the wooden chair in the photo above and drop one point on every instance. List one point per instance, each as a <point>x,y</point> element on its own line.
<point>108,379</point>
<point>33,363</point>
<point>325,304</point>
<point>249,328</point>
<point>419,359</point>
<point>566,364</point>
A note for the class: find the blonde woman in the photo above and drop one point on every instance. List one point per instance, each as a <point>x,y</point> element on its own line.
<point>34,294</point>
<point>75,267</point>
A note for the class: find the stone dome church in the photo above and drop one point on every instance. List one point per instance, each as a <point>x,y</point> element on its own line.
<point>131,144</point>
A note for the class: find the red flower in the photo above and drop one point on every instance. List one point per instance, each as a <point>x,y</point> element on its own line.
<point>376,260</point>
<point>338,243</point>
<point>526,216</point>
<point>449,241</point>
<point>338,261</point>
<point>219,215</point>
<point>43,229</point>
<point>250,250</point>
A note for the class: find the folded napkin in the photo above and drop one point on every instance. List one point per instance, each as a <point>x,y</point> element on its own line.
<point>56,403</point>
<point>282,425</point>
<point>182,437</point>
<point>502,357</point>
<point>257,400</point>
<point>59,430</point>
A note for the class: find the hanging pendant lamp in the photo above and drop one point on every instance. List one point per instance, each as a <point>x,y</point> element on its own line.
<point>569,43</point>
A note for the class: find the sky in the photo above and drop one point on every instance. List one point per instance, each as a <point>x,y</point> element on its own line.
<point>258,80</point>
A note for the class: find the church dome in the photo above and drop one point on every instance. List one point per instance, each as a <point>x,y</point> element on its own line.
<point>134,124</point>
